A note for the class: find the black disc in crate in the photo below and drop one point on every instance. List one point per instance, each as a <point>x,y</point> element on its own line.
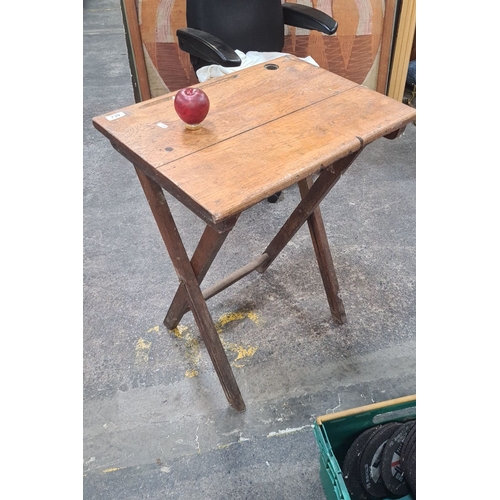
<point>371,459</point>
<point>409,439</point>
<point>409,442</point>
<point>391,467</point>
<point>350,466</point>
<point>410,467</point>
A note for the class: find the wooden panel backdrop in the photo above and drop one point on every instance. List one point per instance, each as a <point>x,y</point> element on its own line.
<point>354,52</point>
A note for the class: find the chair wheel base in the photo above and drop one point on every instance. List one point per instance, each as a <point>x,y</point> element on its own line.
<point>274,198</point>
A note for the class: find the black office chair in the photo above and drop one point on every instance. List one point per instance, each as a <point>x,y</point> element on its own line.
<point>215,28</point>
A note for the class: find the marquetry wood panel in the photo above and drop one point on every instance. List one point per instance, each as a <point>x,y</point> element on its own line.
<point>350,53</point>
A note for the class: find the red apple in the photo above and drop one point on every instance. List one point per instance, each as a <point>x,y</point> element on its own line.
<point>192,105</point>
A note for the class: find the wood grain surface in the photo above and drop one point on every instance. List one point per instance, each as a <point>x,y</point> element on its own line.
<point>265,131</point>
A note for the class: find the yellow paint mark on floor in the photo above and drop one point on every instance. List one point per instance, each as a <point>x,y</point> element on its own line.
<point>179,331</point>
<point>154,329</point>
<point>234,316</point>
<point>192,345</point>
<point>242,352</point>
<point>142,351</point>
<point>193,353</point>
<point>111,470</point>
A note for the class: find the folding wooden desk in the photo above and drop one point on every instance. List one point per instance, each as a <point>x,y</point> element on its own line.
<point>269,126</point>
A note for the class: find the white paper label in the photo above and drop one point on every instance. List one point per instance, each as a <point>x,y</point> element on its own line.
<point>115,116</point>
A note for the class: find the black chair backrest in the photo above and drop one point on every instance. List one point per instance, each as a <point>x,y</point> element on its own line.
<point>243,24</point>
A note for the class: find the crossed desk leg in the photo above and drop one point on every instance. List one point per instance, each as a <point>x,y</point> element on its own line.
<point>192,272</point>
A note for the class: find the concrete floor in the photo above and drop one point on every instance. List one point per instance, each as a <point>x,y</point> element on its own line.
<point>156,422</point>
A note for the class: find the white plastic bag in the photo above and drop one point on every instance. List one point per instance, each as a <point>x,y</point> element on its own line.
<point>249,59</point>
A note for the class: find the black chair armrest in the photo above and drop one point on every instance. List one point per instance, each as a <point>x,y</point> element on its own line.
<point>302,16</point>
<point>207,47</point>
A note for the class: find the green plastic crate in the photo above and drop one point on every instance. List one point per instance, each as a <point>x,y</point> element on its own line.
<point>337,431</point>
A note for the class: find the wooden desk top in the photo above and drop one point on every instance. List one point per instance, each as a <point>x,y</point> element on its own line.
<point>266,130</point>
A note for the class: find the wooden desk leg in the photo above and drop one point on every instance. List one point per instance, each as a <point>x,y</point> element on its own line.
<point>324,257</point>
<point>187,277</point>
<point>205,253</point>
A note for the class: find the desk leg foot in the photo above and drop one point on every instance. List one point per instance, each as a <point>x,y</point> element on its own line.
<point>324,258</point>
